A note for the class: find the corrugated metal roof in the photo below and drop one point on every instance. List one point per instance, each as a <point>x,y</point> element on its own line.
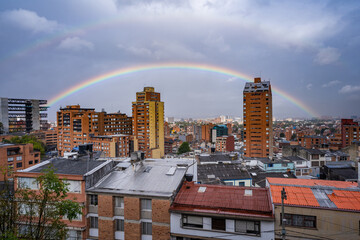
<point>312,182</point>
<point>222,198</point>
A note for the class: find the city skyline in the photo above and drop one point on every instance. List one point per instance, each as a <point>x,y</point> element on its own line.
<point>307,50</point>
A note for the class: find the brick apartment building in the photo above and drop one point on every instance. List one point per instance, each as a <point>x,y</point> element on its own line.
<point>134,203</point>
<point>258,126</point>
<point>206,132</point>
<point>350,131</point>
<point>313,141</point>
<point>117,145</point>
<point>75,125</point>
<point>225,144</point>
<point>148,123</point>
<point>80,174</point>
<point>17,157</point>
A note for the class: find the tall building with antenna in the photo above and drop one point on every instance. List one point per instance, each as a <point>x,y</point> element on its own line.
<point>148,123</point>
<point>257,113</point>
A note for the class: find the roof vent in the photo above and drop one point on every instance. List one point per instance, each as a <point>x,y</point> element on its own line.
<point>285,175</point>
<point>202,189</point>
<point>253,174</point>
<point>211,176</point>
<point>171,171</point>
<point>248,192</point>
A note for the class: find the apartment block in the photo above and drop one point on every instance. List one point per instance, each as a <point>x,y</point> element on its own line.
<point>313,141</point>
<point>117,145</point>
<point>206,132</point>
<point>16,157</point>
<point>22,115</point>
<point>257,114</point>
<point>134,203</point>
<point>76,124</point>
<point>225,144</point>
<point>80,174</point>
<point>350,131</point>
<point>148,123</point>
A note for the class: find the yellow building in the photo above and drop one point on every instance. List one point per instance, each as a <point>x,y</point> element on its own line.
<point>148,123</point>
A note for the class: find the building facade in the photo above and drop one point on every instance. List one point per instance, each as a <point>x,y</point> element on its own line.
<point>350,131</point>
<point>148,123</point>
<point>22,115</point>
<point>15,157</point>
<point>202,211</point>
<point>76,124</point>
<point>258,127</point>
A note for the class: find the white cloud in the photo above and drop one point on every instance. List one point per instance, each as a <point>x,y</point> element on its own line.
<point>76,44</point>
<point>309,86</point>
<point>349,89</point>
<point>29,20</point>
<point>327,56</point>
<point>231,79</point>
<point>331,83</point>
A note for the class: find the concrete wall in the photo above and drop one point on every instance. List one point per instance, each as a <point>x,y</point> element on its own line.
<point>35,114</point>
<point>329,223</point>
<point>266,227</point>
<point>4,114</point>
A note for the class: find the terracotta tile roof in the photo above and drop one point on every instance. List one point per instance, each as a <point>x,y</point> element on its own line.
<point>337,195</point>
<point>295,196</point>
<point>312,182</point>
<point>223,199</point>
<point>346,199</point>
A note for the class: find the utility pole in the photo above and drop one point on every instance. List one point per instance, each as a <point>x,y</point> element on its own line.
<point>283,231</point>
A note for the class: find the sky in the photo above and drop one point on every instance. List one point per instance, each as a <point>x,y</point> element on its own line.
<point>307,49</point>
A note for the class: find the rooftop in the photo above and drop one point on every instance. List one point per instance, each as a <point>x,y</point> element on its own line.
<point>66,166</point>
<point>215,158</point>
<point>201,198</point>
<point>149,178</point>
<point>337,195</point>
<point>257,87</point>
<point>210,172</point>
<point>259,176</point>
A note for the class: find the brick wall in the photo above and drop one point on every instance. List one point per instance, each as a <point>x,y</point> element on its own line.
<point>132,208</point>
<point>105,206</point>
<point>160,211</point>
<point>106,228</point>
<point>160,232</point>
<point>132,231</point>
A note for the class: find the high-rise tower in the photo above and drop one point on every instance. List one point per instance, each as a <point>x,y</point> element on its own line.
<point>148,123</point>
<point>257,111</point>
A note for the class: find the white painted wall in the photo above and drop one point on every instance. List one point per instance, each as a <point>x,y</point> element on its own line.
<point>267,229</point>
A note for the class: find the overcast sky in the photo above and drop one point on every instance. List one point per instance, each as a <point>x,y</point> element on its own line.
<point>309,49</point>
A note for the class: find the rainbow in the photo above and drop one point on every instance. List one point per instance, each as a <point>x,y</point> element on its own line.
<point>160,66</point>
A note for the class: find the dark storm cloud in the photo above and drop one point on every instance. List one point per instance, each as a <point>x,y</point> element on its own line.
<point>306,48</point>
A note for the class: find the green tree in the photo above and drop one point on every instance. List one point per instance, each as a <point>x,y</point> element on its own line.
<point>282,135</point>
<point>40,212</point>
<point>184,148</point>
<point>293,137</point>
<point>37,144</point>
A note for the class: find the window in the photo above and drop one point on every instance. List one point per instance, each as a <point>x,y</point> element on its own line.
<point>10,159</point>
<point>119,202</point>
<point>94,200</point>
<point>192,221</point>
<point>244,226</point>
<point>27,183</point>
<point>74,186</point>
<point>73,235</point>
<point>19,165</point>
<point>19,158</point>
<point>218,224</point>
<point>93,222</point>
<point>145,204</point>
<point>30,162</point>
<point>299,220</point>
<point>146,228</point>
<point>119,224</point>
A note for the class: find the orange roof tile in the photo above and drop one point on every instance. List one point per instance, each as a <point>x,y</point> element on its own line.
<point>312,182</point>
<point>345,199</point>
<point>295,196</point>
